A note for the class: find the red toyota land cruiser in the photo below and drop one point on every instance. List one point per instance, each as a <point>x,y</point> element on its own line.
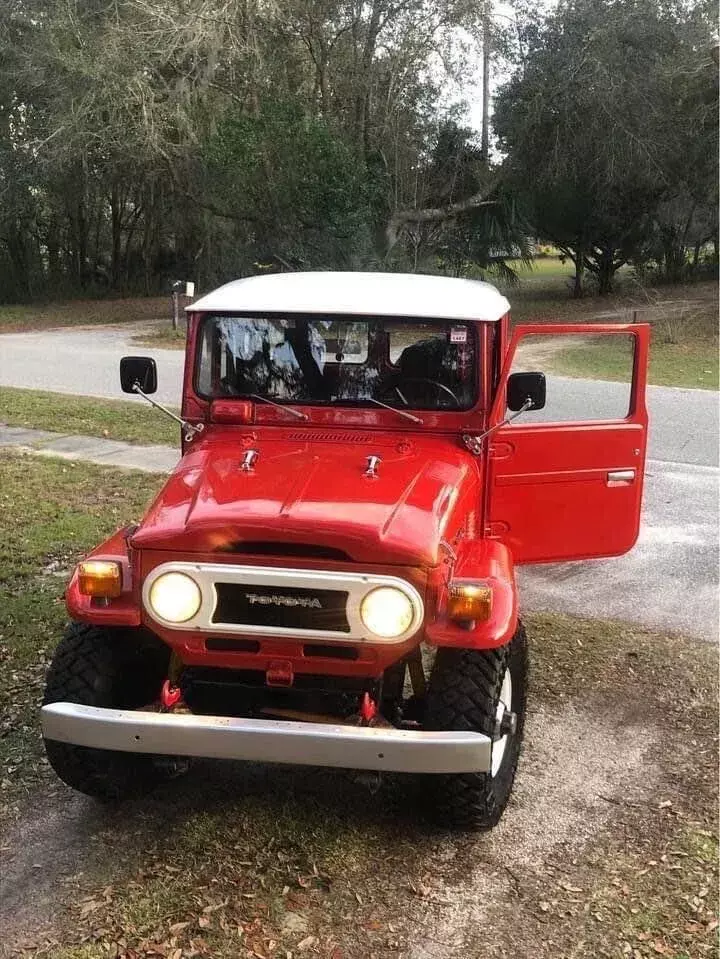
<point>328,575</point>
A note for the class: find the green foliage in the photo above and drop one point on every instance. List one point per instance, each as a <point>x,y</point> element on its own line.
<point>295,180</point>
<point>490,238</point>
<point>474,240</point>
<point>597,119</point>
<point>146,141</point>
<point>142,142</point>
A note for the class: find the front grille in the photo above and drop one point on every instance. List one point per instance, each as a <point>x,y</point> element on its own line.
<point>242,599</point>
<point>285,607</point>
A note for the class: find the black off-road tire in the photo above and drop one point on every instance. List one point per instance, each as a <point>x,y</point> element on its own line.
<point>463,694</point>
<point>114,668</point>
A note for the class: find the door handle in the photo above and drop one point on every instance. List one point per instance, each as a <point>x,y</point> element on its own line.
<point>620,477</point>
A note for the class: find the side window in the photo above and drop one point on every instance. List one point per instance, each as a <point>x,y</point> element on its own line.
<point>589,377</point>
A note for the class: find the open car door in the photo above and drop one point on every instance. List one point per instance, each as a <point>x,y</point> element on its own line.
<point>566,482</point>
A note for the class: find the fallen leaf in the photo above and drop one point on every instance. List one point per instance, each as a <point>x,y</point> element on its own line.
<point>220,905</point>
<point>89,907</point>
<point>178,927</point>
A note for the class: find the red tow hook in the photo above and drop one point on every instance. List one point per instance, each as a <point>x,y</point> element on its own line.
<point>368,709</point>
<point>169,695</point>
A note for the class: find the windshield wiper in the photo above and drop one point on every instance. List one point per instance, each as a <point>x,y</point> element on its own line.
<point>285,409</point>
<point>386,406</point>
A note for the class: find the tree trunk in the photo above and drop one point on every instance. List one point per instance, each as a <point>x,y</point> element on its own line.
<point>605,272</point>
<point>82,225</point>
<point>116,241</point>
<point>485,129</point>
<point>53,251</point>
<point>696,257</point>
<point>149,220</point>
<point>17,251</point>
<point>578,258</point>
<point>362,103</point>
<point>578,291</point>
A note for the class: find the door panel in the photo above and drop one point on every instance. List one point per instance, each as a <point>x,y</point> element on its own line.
<point>569,490</point>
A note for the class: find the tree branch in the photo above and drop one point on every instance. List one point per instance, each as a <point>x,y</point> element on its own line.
<point>401,218</point>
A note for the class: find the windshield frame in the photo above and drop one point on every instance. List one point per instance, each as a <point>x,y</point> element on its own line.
<point>478,343</point>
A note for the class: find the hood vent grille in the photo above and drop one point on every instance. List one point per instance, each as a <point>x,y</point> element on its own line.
<point>296,550</point>
<point>328,437</point>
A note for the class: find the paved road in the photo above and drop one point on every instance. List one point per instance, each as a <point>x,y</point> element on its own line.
<point>668,580</point>
<point>83,361</point>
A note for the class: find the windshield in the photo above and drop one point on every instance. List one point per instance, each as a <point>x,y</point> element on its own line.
<point>427,365</point>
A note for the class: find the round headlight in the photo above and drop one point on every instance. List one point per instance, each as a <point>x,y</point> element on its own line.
<point>175,597</point>
<point>387,612</point>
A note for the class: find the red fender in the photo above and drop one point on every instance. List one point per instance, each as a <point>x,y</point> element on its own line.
<point>121,611</point>
<point>490,562</point>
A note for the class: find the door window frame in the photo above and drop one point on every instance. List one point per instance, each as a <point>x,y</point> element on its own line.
<point>637,408</point>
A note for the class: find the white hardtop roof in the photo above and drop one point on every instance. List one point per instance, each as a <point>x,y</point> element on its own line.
<point>361,294</point>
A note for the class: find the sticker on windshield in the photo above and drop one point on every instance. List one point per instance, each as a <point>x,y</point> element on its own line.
<point>458,334</point>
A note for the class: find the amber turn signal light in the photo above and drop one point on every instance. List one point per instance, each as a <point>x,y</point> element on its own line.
<point>101,579</point>
<point>469,602</point>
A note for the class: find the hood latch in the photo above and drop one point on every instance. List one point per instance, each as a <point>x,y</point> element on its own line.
<point>372,466</point>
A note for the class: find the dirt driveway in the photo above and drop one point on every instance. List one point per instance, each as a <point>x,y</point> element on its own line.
<point>607,850</point>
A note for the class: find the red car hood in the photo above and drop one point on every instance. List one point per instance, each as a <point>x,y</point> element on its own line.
<point>313,492</point>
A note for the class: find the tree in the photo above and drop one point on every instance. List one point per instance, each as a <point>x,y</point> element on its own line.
<point>687,217</point>
<point>145,139</point>
<point>463,216</point>
<point>293,181</point>
<point>585,124</point>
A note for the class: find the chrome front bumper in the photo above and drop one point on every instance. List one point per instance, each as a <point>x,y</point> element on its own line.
<point>265,740</point>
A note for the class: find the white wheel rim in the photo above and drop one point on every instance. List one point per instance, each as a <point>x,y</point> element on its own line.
<point>504,705</point>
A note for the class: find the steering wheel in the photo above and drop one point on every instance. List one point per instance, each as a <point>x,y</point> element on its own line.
<point>440,387</point>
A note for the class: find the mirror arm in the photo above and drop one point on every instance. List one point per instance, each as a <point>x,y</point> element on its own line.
<point>190,428</point>
<point>475,443</point>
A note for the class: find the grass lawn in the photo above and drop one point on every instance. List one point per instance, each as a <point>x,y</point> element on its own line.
<point>112,419</point>
<point>542,269</point>
<point>51,513</point>
<point>165,338</point>
<point>42,316</point>
<point>684,320</point>
<point>609,848</point>
<point>693,363</point>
